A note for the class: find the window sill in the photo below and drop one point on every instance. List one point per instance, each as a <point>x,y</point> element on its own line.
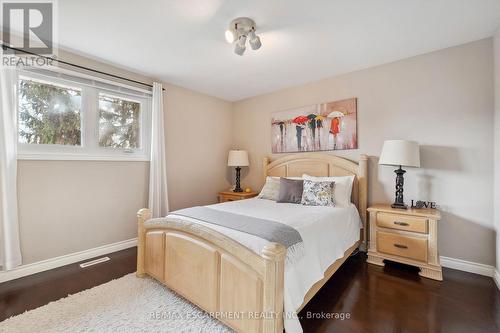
<point>81,157</point>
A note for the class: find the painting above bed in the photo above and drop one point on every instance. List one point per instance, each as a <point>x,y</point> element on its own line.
<point>325,126</point>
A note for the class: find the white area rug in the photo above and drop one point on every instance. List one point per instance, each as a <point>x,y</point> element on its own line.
<point>128,304</point>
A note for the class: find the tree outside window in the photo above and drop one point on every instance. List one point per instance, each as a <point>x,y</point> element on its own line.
<point>49,114</point>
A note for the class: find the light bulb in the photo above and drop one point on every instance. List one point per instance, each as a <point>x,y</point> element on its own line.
<point>230,36</point>
<point>239,47</point>
<point>254,40</point>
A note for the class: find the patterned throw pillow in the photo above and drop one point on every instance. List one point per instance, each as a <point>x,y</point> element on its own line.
<point>318,193</point>
<point>343,188</point>
<point>271,189</point>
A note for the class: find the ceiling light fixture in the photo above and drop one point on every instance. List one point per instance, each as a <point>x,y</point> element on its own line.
<point>238,31</point>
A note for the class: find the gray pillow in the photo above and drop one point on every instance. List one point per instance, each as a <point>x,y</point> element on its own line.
<point>290,191</point>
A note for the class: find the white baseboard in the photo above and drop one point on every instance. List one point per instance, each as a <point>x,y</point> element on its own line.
<point>468,266</point>
<point>497,278</point>
<point>472,267</point>
<point>71,258</point>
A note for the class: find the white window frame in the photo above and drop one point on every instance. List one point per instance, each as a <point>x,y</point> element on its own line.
<point>89,115</point>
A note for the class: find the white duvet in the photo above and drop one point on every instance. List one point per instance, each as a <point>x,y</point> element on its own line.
<point>327,233</point>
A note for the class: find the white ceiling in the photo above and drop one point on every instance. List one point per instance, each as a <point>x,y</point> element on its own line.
<point>182,42</point>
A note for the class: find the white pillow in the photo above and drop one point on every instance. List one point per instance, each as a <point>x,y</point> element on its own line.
<point>342,190</point>
<point>271,189</point>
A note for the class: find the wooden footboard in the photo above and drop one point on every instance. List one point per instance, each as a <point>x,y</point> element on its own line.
<point>224,278</point>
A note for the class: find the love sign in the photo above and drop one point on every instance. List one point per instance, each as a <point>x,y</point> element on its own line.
<point>423,204</point>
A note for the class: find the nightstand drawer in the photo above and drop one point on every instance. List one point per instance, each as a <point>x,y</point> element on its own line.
<point>403,246</point>
<point>400,222</point>
<point>226,198</point>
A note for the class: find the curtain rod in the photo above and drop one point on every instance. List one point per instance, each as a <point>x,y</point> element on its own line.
<point>78,66</point>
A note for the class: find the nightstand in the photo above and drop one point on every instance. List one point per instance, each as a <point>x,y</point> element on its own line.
<point>406,236</point>
<point>233,196</point>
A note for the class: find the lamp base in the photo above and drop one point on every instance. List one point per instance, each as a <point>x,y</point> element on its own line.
<point>399,206</point>
<point>238,186</point>
<point>399,201</point>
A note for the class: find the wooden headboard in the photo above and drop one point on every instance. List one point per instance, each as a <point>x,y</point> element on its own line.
<point>325,165</point>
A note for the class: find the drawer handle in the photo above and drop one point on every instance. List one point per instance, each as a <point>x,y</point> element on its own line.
<point>401,246</point>
<point>401,223</point>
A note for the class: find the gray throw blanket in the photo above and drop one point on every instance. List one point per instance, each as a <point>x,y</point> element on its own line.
<point>269,230</point>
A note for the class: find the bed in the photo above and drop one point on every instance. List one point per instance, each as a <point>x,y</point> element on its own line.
<point>244,285</point>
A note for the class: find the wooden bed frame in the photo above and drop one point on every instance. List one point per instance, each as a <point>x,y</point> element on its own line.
<point>239,287</point>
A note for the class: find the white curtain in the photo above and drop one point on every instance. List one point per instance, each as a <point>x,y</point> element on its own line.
<point>158,197</point>
<point>10,251</point>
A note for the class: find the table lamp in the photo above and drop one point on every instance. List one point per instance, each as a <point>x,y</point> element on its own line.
<point>238,159</point>
<point>400,153</point>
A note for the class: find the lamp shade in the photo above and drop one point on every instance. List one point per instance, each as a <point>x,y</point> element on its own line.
<point>400,152</point>
<point>237,158</point>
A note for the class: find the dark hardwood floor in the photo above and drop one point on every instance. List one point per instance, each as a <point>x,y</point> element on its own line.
<point>358,298</point>
<point>30,292</point>
<point>395,298</point>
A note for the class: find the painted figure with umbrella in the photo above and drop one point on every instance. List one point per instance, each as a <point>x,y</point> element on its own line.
<point>299,127</point>
<point>319,125</point>
<point>312,125</point>
<point>335,125</point>
<point>282,126</point>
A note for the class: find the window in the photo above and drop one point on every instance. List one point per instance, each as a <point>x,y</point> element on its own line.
<point>65,117</point>
<point>118,122</point>
<point>49,114</point>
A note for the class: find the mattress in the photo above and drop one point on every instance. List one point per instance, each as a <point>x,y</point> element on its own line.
<point>327,232</point>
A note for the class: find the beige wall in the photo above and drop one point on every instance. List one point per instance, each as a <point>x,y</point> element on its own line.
<point>71,206</point>
<point>443,100</point>
<point>198,138</point>
<point>497,141</point>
